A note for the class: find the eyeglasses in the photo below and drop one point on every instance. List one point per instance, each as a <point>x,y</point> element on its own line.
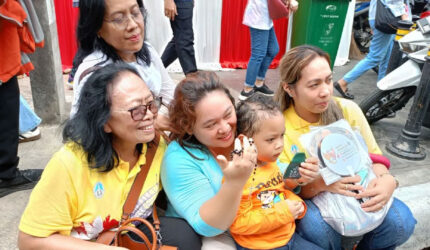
<point>139,112</point>
<point>121,22</point>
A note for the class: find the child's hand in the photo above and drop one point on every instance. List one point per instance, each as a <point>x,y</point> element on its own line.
<point>296,208</point>
<point>309,170</point>
<point>293,5</point>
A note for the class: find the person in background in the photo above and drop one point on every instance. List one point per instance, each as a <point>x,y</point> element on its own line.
<point>28,122</point>
<point>305,95</point>
<point>268,209</point>
<point>114,30</point>
<point>379,50</point>
<point>264,46</point>
<point>16,39</point>
<point>86,183</point>
<point>180,14</point>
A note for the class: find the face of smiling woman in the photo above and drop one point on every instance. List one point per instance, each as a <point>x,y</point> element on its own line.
<point>128,92</point>
<point>123,28</point>
<point>215,124</point>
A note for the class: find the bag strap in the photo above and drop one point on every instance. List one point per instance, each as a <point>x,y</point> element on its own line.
<point>88,71</point>
<point>136,188</point>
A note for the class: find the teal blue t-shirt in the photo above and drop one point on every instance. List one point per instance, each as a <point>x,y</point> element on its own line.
<point>189,183</point>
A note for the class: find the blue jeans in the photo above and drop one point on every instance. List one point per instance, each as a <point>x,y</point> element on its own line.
<point>395,230</point>
<point>28,120</point>
<point>379,55</point>
<point>264,47</point>
<point>296,242</point>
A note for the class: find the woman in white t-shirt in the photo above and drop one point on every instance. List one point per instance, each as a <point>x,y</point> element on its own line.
<point>264,46</point>
<point>110,31</point>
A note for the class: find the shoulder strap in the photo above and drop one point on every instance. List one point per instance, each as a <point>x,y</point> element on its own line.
<point>137,186</point>
<point>88,71</point>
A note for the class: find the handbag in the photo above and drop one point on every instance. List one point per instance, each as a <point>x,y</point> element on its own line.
<point>119,237</point>
<point>385,21</point>
<point>278,9</point>
<point>345,215</point>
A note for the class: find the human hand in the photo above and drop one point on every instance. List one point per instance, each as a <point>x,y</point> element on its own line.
<point>346,186</point>
<point>309,171</point>
<point>170,10</point>
<point>296,208</point>
<point>379,191</point>
<point>243,163</point>
<point>162,123</point>
<point>293,5</point>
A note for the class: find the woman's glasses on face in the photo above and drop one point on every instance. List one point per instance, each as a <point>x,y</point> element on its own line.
<point>121,22</point>
<point>139,112</point>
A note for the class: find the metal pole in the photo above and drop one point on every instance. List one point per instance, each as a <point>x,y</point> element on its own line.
<point>407,144</point>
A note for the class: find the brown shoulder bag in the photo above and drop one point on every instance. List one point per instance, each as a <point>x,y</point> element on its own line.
<point>119,237</point>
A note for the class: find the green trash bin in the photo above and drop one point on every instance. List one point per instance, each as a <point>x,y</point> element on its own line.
<point>320,23</point>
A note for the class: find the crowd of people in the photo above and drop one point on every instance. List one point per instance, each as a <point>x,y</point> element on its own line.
<point>216,161</point>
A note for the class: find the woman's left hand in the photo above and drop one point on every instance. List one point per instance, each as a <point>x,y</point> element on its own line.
<point>379,191</point>
<point>293,5</point>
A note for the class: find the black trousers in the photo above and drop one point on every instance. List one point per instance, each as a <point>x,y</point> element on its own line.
<point>174,232</point>
<point>182,44</point>
<point>9,128</point>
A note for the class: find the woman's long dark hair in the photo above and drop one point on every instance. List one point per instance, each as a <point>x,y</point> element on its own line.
<point>86,128</point>
<point>91,15</point>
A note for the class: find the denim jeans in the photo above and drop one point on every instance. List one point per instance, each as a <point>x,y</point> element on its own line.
<point>396,228</point>
<point>28,120</point>
<point>379,55</point>
<point>182,44</point>
<point>264,47</point>
<point>296,242</point>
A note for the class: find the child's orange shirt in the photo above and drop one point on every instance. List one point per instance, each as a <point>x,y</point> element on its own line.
<point>264,220</point>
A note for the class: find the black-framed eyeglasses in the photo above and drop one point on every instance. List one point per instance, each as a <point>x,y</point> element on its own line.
<point>139,112</point>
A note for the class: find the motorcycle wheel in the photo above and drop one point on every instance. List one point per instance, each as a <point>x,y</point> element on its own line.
<point>383,103</point>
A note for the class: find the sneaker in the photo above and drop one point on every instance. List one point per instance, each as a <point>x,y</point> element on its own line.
<point>264,90</point>
<point>26,179</point>
<point>244,95</point>
<point>30,135</point>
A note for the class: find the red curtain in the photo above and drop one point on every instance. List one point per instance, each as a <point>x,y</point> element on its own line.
<point>235,39</point>
<point>67,18</point>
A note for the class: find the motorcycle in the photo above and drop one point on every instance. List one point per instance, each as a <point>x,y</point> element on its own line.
<point>361,28</point>
<point>398,86</point>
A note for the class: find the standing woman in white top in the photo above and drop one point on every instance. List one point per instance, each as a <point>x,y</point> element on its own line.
<point>114,30</point>
<point>264,46</point>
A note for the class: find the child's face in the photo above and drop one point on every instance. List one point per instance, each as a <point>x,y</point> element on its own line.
<point>269,138</point>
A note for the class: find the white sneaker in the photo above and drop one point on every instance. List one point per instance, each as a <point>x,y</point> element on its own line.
<point>31,135</point>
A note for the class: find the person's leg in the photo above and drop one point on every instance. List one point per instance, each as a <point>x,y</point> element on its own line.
<point>297,242</point>
<point>259,46</point>
<point>184,37</point>
<point>313,228</point>
<point>12,179</point>
<point>169,54</point>
<point>28,119</point>
<point>272,51</point>
<point>379,46</point>
<point>397,227</point>
<point>175,232</point>
<point>382,70</point>
<point>9,127</point>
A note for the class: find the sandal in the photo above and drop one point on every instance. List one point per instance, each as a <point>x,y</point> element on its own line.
<point>344,94</point>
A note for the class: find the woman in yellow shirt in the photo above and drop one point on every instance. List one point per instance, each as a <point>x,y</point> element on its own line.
<point>86,183</point>
<point>305,96</point>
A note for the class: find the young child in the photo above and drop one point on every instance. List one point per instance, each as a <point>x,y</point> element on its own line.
<point>268,210</point>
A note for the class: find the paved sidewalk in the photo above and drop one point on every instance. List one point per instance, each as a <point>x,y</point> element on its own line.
<point>414,176</point>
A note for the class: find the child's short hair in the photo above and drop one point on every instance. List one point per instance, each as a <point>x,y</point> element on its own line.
<point>252,111</point>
